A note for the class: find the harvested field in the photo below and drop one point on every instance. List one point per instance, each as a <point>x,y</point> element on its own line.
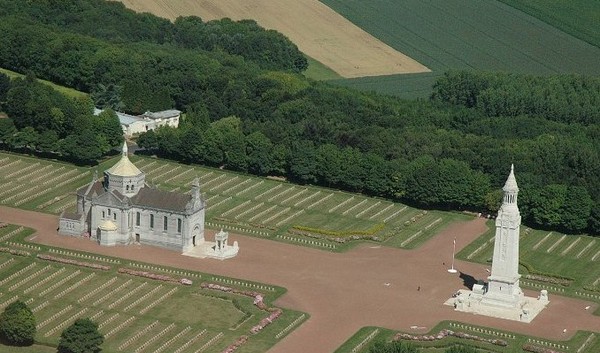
<point>317,30</point>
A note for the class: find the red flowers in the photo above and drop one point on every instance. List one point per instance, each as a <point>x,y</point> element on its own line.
<point>73,262</point>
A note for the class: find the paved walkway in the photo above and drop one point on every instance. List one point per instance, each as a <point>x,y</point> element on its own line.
<point>344,292</point>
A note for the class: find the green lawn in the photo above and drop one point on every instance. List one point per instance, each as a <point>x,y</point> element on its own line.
<point>553,253</point>
<point>65,90</point>
<point>135,314</point>
<point>33,349</point>
<point>37,184</point>
<point>482,35</point>
<point>237,202</point>
<point>270,208</point>
<point>318,71</point>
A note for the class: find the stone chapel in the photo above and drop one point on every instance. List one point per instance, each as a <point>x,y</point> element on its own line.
<point>122,209</point>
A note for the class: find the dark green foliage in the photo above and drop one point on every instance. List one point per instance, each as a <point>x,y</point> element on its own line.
<point>81,337</point>
<point>7,130</point>
<point>266,48</point>
<point>392,347</point>
<point>564,98</point>
<point>17,325</point>
<point>108,97</point>
<point>47,121</point>
<point>4,87</point>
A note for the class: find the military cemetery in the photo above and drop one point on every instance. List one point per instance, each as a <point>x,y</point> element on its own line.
<point>317,176</point>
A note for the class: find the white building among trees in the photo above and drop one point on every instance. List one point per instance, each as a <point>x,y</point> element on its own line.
<point>133,124</point>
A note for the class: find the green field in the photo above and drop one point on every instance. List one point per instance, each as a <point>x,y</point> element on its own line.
<point>62,89</point>
<point>236,202</point>
<point>580,18</point>
<point>134,313</point>
<point>483,35</point>
<point>320,72</point>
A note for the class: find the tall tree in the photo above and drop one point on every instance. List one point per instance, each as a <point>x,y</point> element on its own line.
<point>4,86</point>
<point>17,325</point>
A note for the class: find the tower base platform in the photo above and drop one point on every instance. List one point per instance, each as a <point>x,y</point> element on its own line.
<point>472,302</point>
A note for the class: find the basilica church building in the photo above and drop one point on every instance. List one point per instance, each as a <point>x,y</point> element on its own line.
<point>122,209</point>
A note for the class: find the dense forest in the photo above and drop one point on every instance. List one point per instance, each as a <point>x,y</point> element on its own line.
<point>248,109</point>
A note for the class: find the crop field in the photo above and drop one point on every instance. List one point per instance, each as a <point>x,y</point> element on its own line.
<point>579,18</point>
<point>482,35</point>
<point>135,314</point>
<point>318,31</point>
<point>552,253</point>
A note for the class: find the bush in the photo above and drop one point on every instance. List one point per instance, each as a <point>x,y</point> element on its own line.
<point>17,325</point>
<point>81,337</point>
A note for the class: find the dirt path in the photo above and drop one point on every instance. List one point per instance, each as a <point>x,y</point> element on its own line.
<point>343,292</point>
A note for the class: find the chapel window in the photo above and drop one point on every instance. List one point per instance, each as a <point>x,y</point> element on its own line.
<point>165,223</point>
<point>151,221</point>
<point>137,218</point>
<point>178,225</point>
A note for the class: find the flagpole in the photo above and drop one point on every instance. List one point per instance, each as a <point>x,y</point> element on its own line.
<point>452,269</point>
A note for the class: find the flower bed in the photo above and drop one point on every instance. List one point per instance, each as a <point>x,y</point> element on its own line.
<point>15,252</point>
<point>275,313</point>
<point>73,262</point>
<point>258,297</point>
<point>235,345</point>
<point>445,333</point>
<point>537,349</point>
<point>547,279</point>
<point>155,276</point>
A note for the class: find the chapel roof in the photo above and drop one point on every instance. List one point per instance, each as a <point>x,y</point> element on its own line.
<point>160,199</point>
<point>124,167</point>
<point>73,216</point>
<point>96,188</point>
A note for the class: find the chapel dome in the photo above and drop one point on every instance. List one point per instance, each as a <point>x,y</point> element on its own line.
<point>124,167</point>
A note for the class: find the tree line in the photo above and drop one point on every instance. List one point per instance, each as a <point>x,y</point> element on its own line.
<point>112,21</point>
<point>450,152</point>
<point>46,121</point>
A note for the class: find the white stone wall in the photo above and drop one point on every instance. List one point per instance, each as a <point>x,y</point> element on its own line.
<point>70,227</point>
<point>157,235</point>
